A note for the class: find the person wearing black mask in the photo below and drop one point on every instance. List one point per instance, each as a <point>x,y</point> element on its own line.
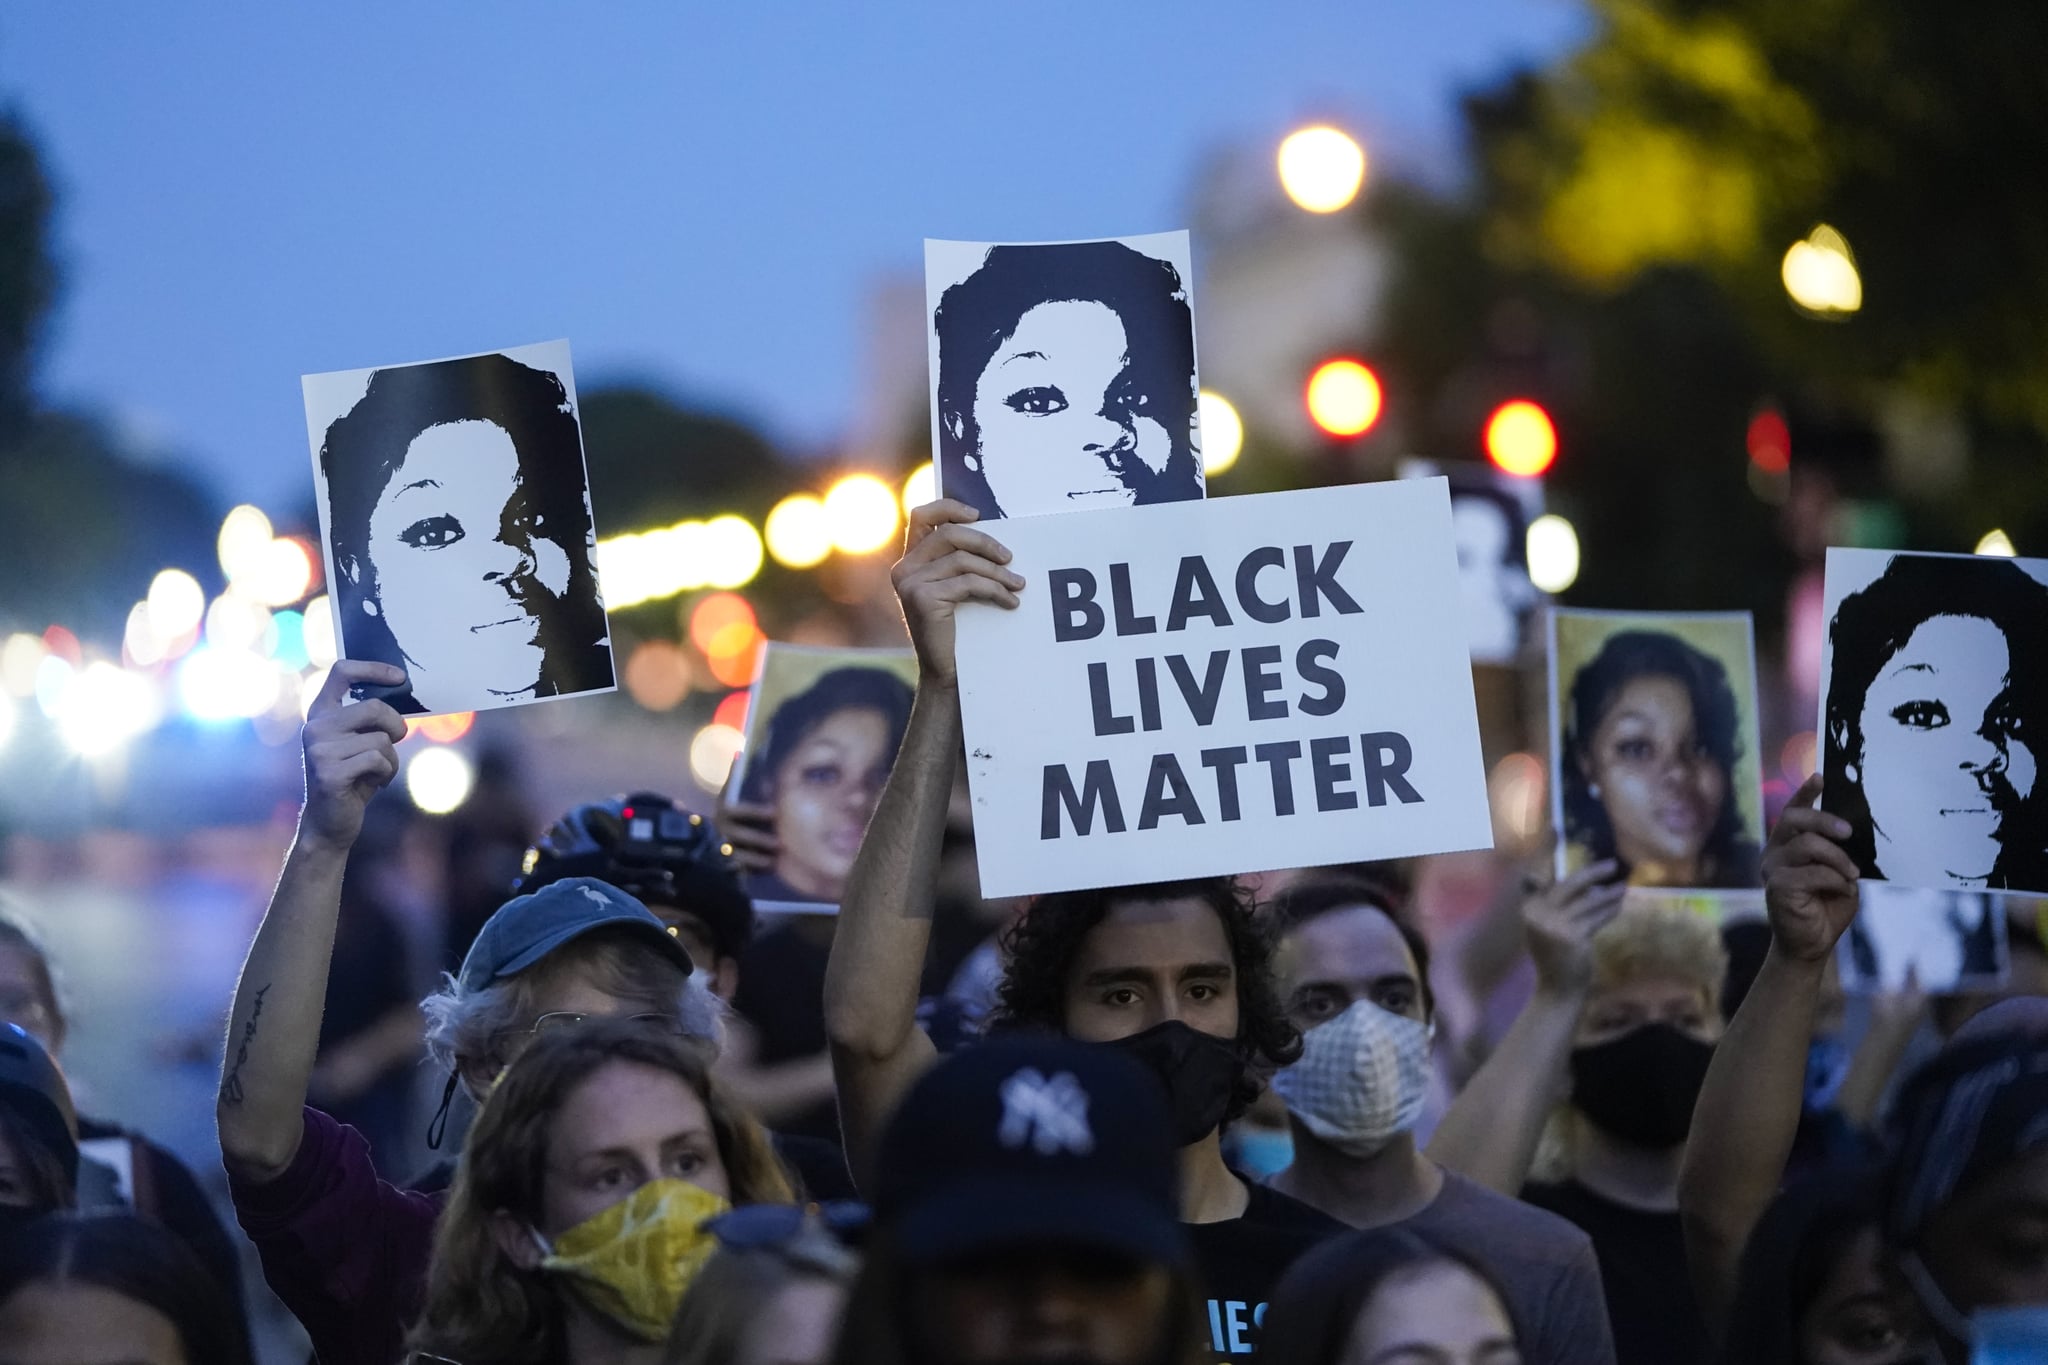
<point>1177,975</point>
<point>1611,1159</point>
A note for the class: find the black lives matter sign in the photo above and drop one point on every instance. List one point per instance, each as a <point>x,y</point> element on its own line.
<point>1220,687</point>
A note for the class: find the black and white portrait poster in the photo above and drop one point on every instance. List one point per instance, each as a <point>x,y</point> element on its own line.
<point>1063,373</point>
<point>1938,941</point>
<point>1490,516</point>
<point>1653,746</point>
<point>455,518</point>
<point>1934,704</point>
<point>823,727</point>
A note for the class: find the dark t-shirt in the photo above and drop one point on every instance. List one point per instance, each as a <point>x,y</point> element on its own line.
<point>1643,1269</point>
<point>782,994</point>
<point>1241,1260</point>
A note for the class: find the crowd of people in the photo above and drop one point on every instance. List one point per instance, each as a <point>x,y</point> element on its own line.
<point>1142,1125</point>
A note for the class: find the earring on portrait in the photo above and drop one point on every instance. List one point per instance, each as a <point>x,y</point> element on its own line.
<point>369,606</point>
<point>1593,790</point>
<point>973,463</point>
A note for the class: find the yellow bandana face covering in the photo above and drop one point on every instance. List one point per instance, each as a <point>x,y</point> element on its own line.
<point>633,1261</point>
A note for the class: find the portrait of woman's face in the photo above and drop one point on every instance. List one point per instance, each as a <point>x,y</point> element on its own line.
<point>1944,757</point>
<point>824,793</point>
<point>1064,421</point>
<point>1063,374</point>
<point>457,564</point>
<point>1496,588</point>
<point>456,511</point>
<point>1662,791</point>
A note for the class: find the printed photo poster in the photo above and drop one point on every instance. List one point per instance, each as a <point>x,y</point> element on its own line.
<point>823,727</point>
<point>1063,373</point>
<point>1490,516</point>
<point>1654,747</point>
<point>1209,688</point>
<point>1934,704</point>
<point>456,523</point>
<point>1942,941</point>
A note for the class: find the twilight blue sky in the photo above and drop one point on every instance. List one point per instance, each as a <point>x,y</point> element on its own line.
<point>698,194</point>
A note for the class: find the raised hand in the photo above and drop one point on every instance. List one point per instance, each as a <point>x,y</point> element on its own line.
<point>1809,878</point>
<point>750,828</point>
<point>351,751</point>
<point>1561,920</point>
<point>946,562</point>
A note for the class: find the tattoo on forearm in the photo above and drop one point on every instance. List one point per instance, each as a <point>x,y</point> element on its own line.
<point>231,1088</point>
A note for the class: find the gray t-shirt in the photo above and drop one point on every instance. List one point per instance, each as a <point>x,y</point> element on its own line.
<point>1543,1264</point>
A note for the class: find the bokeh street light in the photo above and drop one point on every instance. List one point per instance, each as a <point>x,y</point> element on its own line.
<point>439,779</point>
<point>798,534</point>
<point>920,488</point>
<point>1820,274</point>
<point>1321,168</point>
<point>176,604</point>
<point>1520,439</point>
<point>861,512</point>
<point>1996,542</point>
<point>1553,549</point>
<point>712,751</point>
<point>1222,432</point>
<point>1344,397</point>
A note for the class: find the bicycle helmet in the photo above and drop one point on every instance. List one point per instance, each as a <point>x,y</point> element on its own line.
<point>651,848</point>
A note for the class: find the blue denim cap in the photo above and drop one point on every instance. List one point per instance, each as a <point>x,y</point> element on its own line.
<point>527,928</point>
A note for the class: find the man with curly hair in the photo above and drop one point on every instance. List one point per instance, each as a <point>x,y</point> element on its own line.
<point>1177,974</point>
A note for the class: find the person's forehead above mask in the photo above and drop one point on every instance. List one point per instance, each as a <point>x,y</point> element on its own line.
<point>1150,961</point>
<point>1333,959</point>
<point>1623,1006</point>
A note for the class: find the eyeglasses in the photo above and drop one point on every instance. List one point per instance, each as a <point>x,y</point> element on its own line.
<point>752,1227</point>
<point>556,1020</point>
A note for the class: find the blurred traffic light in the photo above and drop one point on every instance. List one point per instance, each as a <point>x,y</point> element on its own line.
<point>1344,397</point>
<point>1769,441</point>
<point>1520,438</point>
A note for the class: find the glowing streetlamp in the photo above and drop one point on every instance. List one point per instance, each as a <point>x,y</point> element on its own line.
<point>1344,397</point>
<point>1321,168</point>
<point>1222,432</point>
<point>1820,274</point>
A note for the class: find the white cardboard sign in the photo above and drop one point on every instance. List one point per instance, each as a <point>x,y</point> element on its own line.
<point>1208,688</point>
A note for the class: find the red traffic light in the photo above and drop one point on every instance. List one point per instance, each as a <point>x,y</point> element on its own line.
<point>1344,397</point>
<point>1520,438</point>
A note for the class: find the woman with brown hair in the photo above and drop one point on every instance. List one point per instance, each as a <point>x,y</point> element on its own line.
<point>575,1222</point>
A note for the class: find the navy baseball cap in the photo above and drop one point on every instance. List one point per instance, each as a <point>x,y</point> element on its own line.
<point>33,1090</point>
<point>527,928</point>
<point>1032,1142</point>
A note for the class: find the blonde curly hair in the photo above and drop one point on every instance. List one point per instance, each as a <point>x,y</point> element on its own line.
<point>1649,938</point>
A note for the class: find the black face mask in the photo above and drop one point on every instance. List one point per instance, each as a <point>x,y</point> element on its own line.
<point>1642,1086</point>
<point>1199,1070</point>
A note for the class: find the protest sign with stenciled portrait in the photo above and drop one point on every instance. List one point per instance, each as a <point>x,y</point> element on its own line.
<point>1209,688</point>
<point>823,727</point>
<point>1654,746</point>
<point>1490,516</point>
<point>1062,373</point>
<point>1933,712</point>
<point>456,524</point>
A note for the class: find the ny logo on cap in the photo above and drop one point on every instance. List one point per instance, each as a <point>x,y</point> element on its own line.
<point>1051,1115</point>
